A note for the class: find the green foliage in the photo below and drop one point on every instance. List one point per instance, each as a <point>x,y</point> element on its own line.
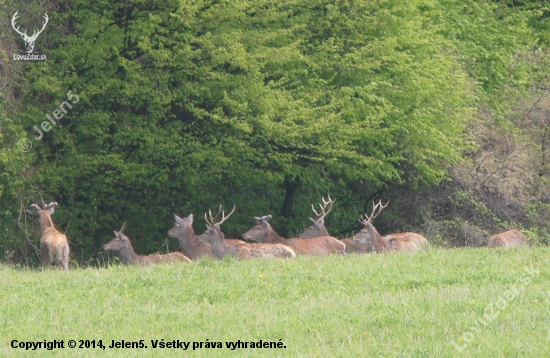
<point>183,105</point>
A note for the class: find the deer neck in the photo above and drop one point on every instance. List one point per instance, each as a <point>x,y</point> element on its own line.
<point>127,255</point>
<point>221,249</point>
<point>273,237</point>
<point>379,243</point>
<point>46,222</point>
<point>189,242</point>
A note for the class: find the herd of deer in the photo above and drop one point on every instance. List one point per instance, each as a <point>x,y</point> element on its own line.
<point>261,241</point>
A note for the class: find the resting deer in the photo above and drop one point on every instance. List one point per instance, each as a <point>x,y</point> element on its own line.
<point>215,237</point>
<point>507,239</point>
<point>121,244</point>
<point>53,244</point>
<point>321,246</point>
<point>369,240</point>
<point>190,245</point>
<point>318,227</point>
<point>230,242</point>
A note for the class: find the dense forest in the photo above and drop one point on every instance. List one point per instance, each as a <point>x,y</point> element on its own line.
<point>441,107</point>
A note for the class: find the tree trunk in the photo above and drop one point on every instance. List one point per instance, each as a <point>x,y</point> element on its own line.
<point>291,187</point>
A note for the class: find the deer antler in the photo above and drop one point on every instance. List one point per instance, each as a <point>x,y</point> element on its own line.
<point>35,34</point>
<point>123,227</point>
<point>24,34</point>
<point>368,219</point>
<point>53,203</point>
<point>213,222</point>
<point>15,16</point>
<point>323,207</point>
<point>213,219</point>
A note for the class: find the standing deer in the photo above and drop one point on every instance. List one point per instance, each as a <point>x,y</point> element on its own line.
<point>321,246</point>
<point>53,244</point>
<point>215,237</point>
<point>371,241</point>
<point>507,239</point>
<point>121,244</point>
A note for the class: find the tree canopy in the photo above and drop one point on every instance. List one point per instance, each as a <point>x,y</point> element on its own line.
<point>183,105</point>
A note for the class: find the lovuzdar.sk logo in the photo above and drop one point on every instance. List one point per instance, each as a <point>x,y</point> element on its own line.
<point>29,40</point>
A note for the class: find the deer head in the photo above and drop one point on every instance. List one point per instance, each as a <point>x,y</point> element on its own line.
<point>48,209</point>
<point>45,214</point>
<point>260,232</point>
<point>369,234</point>
<point>318,227</point>
<point>213,232</point>
<point>119,242</point>
<point>181,226</point>
<point>29,40</point>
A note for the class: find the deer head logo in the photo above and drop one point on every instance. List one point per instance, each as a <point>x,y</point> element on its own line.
<point>29,40</point>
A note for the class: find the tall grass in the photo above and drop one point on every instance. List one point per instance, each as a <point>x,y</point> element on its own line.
<point>399,305</point>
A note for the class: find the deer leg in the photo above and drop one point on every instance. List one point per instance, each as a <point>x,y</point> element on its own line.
<point>45,255</point>
<point>63,257</point>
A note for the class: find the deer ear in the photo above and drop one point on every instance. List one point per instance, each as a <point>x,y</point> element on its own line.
<point>50,207</point>
<point>34,212</point>
<point>190,218</point>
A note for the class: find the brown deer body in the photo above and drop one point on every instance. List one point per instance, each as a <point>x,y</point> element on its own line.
<point>369,240</point>
<point>53,244</point>
<point>406,241</point>
<point>320,246</point>
<point>121,244</point>
<point>507,239</point>
<point>215,237</point>
<point>353,247</point>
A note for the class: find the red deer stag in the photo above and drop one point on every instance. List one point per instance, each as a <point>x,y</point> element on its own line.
<point>321,246</point>
<point>318,228</point>
<point>507,239</point>
<point>215,237</point>
<point>369,240</point>
<point>230,242</point>
<point>190,245</point>
<point>53,244</point>
<point>121,244</point>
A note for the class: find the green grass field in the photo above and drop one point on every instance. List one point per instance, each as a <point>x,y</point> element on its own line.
<point>440,303</point>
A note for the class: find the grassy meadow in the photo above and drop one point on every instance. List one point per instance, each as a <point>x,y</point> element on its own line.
<point>400,305</point>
